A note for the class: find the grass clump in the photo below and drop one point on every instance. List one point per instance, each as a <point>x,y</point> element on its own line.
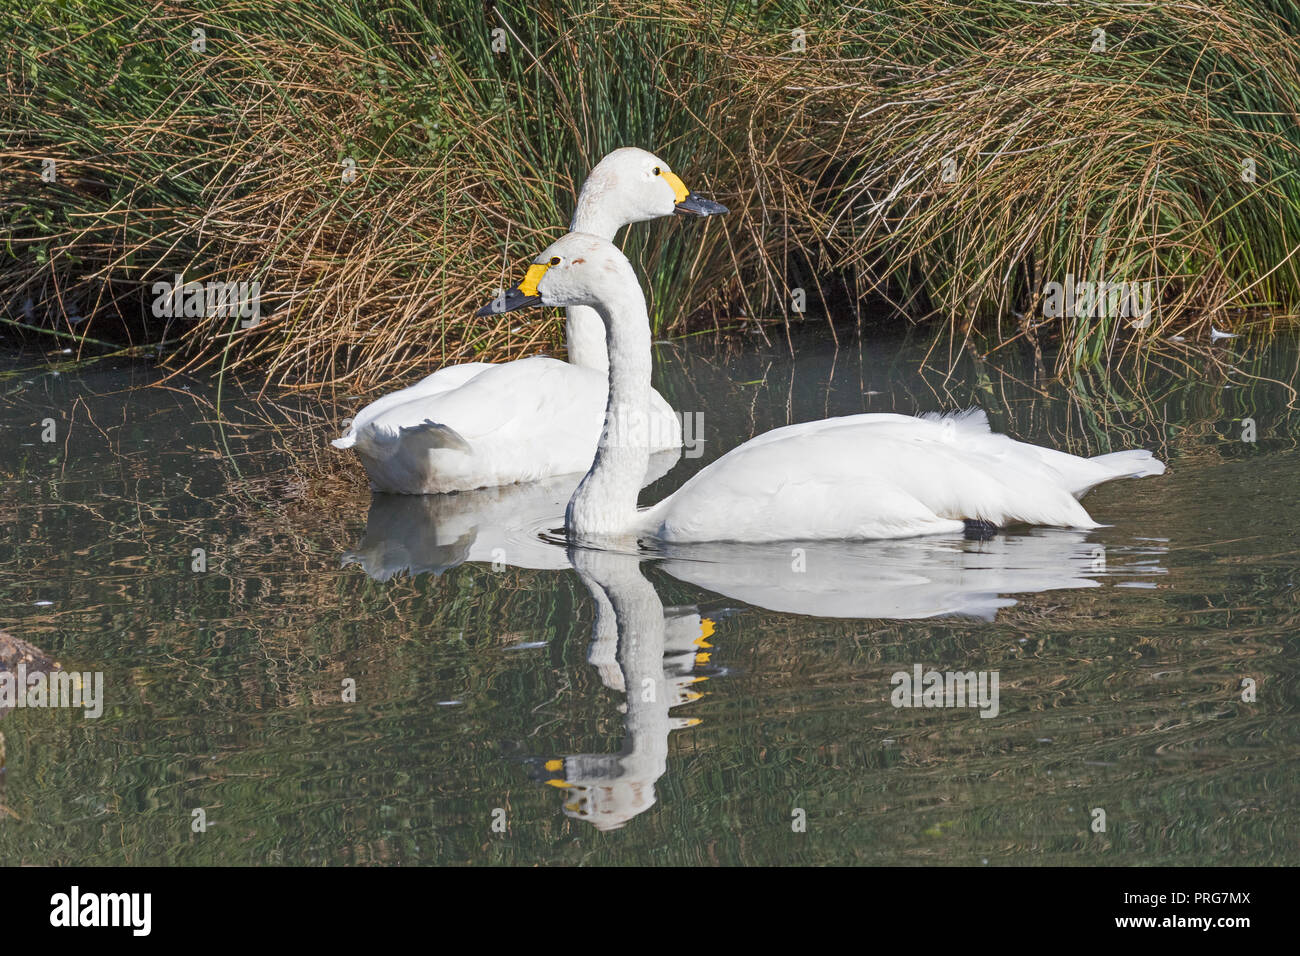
<point>950,159</point>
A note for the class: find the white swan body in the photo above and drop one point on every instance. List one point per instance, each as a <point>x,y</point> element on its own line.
<point>883,476</point>
<point>858,477</point>
<point>469,436</point>
<point>480,425</point>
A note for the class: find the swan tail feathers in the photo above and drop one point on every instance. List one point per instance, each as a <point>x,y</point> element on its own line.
<point>433,436</point>
<point>381,443</point>
<point>1135,463</point>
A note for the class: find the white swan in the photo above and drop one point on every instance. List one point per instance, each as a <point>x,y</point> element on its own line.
<point>480,425</point>
<point>861,476</point>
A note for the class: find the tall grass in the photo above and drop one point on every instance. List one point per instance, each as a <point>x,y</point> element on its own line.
<point>229,164</point>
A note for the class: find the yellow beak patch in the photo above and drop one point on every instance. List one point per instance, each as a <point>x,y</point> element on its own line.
<point>531,278</point>
<point>679,187</point>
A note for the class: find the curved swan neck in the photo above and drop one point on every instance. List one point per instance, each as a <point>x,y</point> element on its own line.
<point>584,330</point>
<point>605,502</point>
<point>585,338</point>
<point>593,214</point>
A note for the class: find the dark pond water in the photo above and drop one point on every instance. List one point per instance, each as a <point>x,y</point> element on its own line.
<point>519,703</point>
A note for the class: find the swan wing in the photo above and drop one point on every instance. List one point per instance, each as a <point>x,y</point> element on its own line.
<point>443,380</point>
<point>516,421</point>
<point>868,477</point>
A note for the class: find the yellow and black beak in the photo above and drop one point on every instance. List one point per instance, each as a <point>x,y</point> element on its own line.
<point>689,204</point>
<point>522,296</point>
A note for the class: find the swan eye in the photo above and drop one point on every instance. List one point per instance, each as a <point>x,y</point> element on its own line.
<point>555,260</point>
<point>657,171</point>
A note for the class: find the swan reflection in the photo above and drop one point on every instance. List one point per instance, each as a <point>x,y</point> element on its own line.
<point>657,658</point>
<point>909,578</point>
<point>899,579</point>
<point>420,534</point>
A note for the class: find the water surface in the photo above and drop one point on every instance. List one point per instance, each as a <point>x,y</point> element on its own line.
<point>517,702</point>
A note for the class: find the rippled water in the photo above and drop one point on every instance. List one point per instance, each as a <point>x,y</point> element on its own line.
<point>520,703</point>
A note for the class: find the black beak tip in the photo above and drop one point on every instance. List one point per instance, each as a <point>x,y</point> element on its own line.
<point>694,205</point>
<point>508,301</point>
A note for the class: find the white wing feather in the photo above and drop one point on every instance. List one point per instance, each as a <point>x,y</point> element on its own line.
<point>883,476</point>
<point>517,421</point>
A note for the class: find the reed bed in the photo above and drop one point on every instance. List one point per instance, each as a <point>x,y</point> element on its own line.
<point>915,160</point>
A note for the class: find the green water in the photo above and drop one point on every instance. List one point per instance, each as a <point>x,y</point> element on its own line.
<point>518,703</point>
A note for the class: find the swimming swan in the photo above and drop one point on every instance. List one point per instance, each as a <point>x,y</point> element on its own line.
<point>860,476</point>
<point>479,425</point>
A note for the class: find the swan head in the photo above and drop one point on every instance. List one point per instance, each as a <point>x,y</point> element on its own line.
<point>632,185</point>
<point>577,269</point>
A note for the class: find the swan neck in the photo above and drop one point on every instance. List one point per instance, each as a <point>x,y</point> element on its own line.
<point>592,216</point>
<point>585,338</point>
<point>605,502</point>
<point>584,332</point>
